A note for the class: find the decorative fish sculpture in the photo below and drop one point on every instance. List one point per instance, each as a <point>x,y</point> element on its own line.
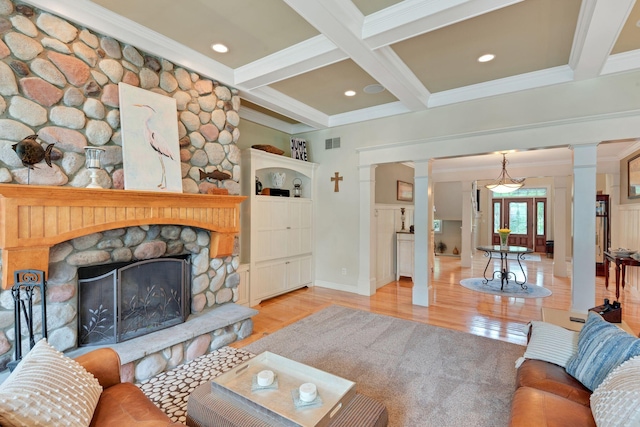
<point>215,175</point>
<point>30,152</point>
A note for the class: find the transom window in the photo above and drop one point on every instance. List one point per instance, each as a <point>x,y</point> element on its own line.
<point>523,192</point>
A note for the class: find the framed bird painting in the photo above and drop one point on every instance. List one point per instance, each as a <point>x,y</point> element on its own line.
<point>150,148</point>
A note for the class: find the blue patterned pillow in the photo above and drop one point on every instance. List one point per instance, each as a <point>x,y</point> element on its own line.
<point>602,347</point>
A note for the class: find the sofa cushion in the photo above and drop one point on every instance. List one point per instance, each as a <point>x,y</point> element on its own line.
<point>602,347</point>
<point>48,388</point>
<point>550,343</point>
<point>616,401</point>
<point>534,408</point>
<point>553,379</point>
<point>126,405</point>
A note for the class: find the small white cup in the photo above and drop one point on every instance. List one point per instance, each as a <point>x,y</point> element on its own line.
<point>265,378</point>
<point>308,392</point>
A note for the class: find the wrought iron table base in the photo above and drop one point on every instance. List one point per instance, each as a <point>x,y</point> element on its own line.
<point>504,274</point>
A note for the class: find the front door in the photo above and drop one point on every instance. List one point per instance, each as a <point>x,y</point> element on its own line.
<point>517,215</point>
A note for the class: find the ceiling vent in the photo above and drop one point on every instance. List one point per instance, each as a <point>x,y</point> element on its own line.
<point>331,143</point>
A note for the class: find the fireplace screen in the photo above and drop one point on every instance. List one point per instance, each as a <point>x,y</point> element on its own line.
<point>117,302</point>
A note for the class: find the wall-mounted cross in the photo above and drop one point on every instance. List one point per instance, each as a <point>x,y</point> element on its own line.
<point>337,178</point>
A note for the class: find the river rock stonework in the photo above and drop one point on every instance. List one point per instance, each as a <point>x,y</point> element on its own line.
<point>60,81</point>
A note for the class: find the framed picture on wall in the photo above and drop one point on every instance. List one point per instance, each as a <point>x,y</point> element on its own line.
<point>633,169</point>
<point>405,191</point>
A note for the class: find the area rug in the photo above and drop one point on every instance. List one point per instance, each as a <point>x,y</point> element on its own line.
<point>424,375</point>
<point>511,289</point>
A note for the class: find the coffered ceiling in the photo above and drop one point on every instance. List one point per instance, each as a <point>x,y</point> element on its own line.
<point>293,60</point>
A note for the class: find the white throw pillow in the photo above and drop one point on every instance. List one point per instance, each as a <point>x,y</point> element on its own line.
<point>616,401</point>
<point>550,343</point>
<point>48,389</point>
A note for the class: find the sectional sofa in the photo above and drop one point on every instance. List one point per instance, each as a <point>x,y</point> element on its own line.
<point>581,379</point>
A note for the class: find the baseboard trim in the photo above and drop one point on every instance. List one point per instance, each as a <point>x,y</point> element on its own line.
<point>336,286</point>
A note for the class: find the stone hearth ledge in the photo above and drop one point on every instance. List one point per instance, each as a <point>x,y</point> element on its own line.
<point>136,349</point>
<point>196,325</point>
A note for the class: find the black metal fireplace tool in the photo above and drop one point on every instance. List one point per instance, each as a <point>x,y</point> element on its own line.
<point>24,293</point>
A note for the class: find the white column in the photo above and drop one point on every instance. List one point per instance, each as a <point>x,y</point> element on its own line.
<point>367,257</point>
<point>423,223</point>
<point>614,208</point>
<point>583,289</point>
<point>468,210</point>
<point>560,225</point>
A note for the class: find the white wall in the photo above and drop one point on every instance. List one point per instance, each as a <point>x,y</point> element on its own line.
<point>448,200</point>
<point>387,177</point>
<point>539,118</point>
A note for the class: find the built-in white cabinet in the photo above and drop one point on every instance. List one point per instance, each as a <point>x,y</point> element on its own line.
<point>276,232</point>
<point>283,227</point>
<point>279,276</point>
<point>405,246</point>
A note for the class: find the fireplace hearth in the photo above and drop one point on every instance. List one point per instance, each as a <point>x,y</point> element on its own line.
<point>121,301</point>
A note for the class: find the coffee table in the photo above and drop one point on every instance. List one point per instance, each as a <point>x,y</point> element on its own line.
<point>229,401</point>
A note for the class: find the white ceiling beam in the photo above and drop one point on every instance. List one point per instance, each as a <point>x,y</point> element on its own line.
<point>274,100</point>
<point>371,113</point>
<point>342,23</point>
<point>90,15</point>
<point>300,58</point>
<point>599,24</point>
<point>410,18</point>
<point>273,123</point>
<point>551,76</point>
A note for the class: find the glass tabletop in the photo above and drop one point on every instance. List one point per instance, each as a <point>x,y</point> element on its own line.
<point>508,249</point>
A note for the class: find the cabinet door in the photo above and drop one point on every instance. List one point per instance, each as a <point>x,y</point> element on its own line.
<point>271,234</point>
<point>300,230</point>
<point>268,279</point>
<point>298,272</point>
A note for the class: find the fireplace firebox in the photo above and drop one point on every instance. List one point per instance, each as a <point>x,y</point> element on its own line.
<point>120,301</point>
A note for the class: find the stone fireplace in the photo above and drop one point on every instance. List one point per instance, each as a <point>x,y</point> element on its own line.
<point>121,301</point>
<point>63,230</point>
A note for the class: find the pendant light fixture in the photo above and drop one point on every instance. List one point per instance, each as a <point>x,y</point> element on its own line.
<point>504,183</point>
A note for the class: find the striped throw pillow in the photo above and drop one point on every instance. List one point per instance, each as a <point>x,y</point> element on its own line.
<point>550,343</point>
<point>602,347</point>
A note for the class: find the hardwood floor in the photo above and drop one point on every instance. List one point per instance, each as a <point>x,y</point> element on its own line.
<point>452,307</point>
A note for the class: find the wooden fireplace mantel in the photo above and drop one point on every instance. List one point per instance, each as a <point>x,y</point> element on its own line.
<point>34,218</point>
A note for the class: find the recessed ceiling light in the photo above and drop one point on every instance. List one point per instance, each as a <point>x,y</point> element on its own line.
<point>350,93</point>
<point>486,57</point>
<point>220,48</point>
<point>374,88</point>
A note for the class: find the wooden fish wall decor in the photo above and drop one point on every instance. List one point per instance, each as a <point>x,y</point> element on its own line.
<point>215,175</point>
<point>30,152</point>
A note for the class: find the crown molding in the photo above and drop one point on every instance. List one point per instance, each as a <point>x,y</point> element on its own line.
<point>621,62</point>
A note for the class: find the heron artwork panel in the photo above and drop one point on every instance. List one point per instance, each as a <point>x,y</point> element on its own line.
<point>150,147</point>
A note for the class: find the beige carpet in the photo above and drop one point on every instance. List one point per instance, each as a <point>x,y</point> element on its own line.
<point>425,375</point>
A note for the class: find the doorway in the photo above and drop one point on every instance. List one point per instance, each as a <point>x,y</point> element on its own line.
<point>525,217</point>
